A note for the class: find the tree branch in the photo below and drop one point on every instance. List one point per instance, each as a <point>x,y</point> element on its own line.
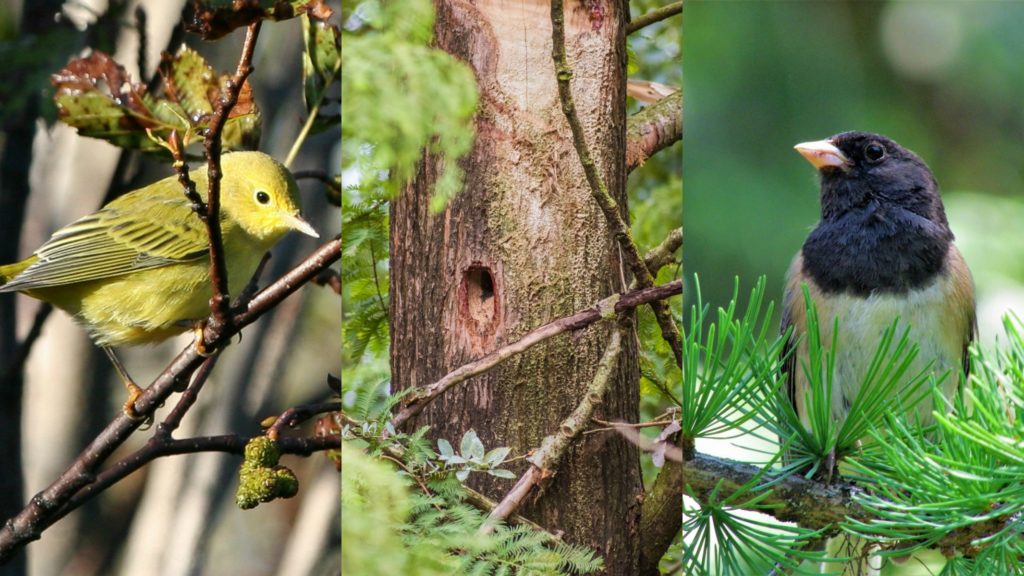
<point>612,212</point>
<point>615,304</point>
<point>661,516</point>
<point>809,503</point>
<point>665,253</point>
<point>160,445</point>
<point>655,16</point>
<point>43,509</point>
<point>653,129</point>
<point>545,461</point>
<point>220,303</point>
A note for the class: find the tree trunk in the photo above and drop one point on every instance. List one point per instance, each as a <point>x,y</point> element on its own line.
<point>523,244</point>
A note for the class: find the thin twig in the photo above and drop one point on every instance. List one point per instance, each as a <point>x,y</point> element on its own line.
<point>298,414</point>
<point>219,303</point>
<point>617,425</point>
<point>655,16</point>
<point>227,443</point>
<point>187,399</point>
<point>311,118</point>
<point>612,212</point>
<point>545,460</point>
<point>613,305</point>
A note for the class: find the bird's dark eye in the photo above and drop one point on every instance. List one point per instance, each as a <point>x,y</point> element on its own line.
<point>262,197</point>
<point>874,152</point>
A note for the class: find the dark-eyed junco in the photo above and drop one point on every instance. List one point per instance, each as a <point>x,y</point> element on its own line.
<point>883,249</point>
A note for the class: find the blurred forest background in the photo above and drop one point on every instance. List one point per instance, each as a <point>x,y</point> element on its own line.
<point>941,78</point>
<point>177,515</point>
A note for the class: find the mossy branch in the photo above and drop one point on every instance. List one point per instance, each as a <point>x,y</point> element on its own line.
<point>611,209</point>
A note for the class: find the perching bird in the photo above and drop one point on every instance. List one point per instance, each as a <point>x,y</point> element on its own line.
<point>883,249</point>
<point>137,270</point>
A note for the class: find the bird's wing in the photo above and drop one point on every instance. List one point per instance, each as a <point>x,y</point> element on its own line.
<point>793,315</point>
<point>963,298</point>
<point>129,234</point>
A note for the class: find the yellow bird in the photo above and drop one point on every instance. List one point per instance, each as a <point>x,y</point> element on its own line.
<point>137,270</point>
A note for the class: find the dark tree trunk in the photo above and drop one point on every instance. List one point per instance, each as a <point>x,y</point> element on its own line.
<point>523,244</point>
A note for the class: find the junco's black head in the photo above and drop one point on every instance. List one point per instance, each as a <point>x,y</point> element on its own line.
<point>860,168</point>
<point>883,227</point>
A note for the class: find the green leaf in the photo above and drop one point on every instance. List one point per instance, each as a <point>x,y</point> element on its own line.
<point>497,456</point>
<point>97,96</point>
<point>502,473</point>
<point>321,66</point>
<point>445,447</point>
<point>472,447</point>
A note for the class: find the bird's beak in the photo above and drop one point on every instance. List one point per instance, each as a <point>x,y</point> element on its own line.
<point>823,154</point>
<point>302,226</point>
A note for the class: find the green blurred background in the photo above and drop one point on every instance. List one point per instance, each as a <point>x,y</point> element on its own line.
<point>944,79</point>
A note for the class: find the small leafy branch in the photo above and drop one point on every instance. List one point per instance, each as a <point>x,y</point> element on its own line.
<point>879,475</point>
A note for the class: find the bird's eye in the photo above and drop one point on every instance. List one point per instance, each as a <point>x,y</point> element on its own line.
<point>262,197</point>
<point>874,152</point>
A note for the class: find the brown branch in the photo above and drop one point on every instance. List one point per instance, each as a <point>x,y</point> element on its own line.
<point>227,443</point>
<point>298,414</point>
<point>664,254</point>
<point>44,508</point>
<point>615,304</point>
<point>653,129</point>
<point>811,504</point>
<point>655,16</point>
<point>545,460</point>
<point>612,212</point>
<point>220,303</point>
<point>661,516</point>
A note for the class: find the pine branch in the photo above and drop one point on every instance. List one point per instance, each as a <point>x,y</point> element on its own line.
<point>812,504</point>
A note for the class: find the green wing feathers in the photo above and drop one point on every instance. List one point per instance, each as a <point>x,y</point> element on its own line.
<point>132,233</point>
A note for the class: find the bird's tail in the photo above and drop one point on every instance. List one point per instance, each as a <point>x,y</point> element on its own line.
<point>10,271</point>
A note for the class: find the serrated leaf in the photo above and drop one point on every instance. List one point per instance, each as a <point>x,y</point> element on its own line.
<point>97,96</point>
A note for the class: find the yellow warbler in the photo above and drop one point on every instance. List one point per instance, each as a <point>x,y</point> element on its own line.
<point>137,270</point>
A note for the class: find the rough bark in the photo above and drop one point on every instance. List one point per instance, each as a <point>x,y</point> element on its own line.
<point>521,245</point>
